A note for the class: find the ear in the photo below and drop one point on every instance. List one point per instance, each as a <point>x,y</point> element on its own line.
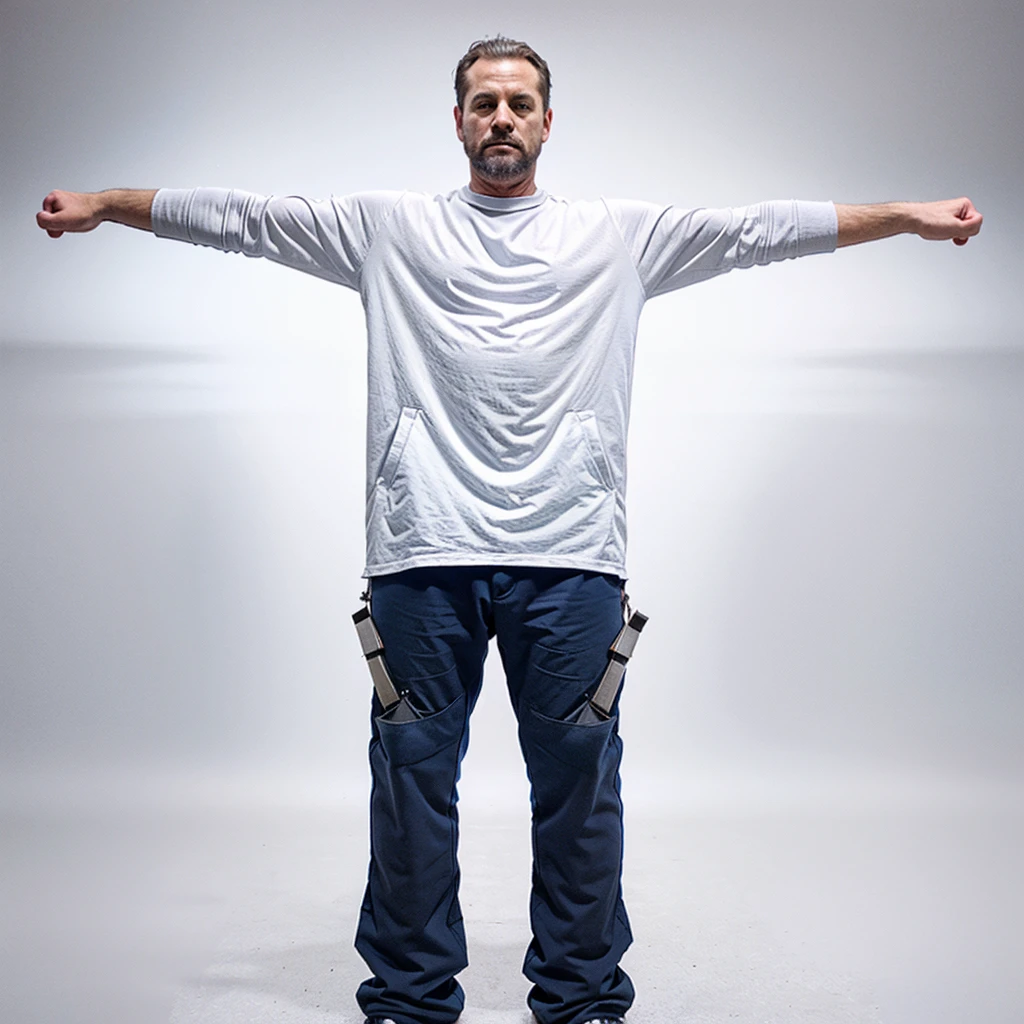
<point>458,123</point>
<point>547,125</point>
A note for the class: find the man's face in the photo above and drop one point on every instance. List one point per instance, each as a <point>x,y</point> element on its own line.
<point>502,123</point>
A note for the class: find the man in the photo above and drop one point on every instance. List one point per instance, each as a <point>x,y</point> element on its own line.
<point>501,324</point>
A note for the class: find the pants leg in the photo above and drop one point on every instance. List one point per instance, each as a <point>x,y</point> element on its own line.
<point>554,628</point>
<point>410,933</point>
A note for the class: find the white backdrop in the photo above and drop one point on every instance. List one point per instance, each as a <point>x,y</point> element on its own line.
<point>824,486</point>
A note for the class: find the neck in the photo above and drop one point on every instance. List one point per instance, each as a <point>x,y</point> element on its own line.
<point>490,187</point>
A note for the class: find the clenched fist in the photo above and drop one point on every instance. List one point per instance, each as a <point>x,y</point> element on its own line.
<point>70,211</point>
<point>949,218</point>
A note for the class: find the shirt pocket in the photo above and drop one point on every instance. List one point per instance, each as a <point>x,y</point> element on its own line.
<point>393,459</point>
<point>594,446</point>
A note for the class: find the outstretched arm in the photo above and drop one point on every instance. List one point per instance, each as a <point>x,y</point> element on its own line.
<point>83,211</point>
<point>327,238</point>
<point>955,219</point>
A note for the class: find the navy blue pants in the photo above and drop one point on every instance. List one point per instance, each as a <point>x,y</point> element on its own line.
<point>553,629</point>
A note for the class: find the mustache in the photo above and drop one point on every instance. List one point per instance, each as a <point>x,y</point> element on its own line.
<point>507,141</point>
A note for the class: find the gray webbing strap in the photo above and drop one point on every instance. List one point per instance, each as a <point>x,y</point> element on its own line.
<point>618,654</point>
<point>373,651</point>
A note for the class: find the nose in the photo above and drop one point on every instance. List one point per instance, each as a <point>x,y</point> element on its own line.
<point>503,118</point>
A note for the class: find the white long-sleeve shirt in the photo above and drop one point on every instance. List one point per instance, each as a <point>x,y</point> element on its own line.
<point>501,335</point>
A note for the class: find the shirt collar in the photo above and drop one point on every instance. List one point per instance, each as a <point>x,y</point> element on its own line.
<point>502,204</point>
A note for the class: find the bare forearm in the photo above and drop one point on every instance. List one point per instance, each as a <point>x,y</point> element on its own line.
<point>955,219</point>
<point>130,206</point>
<point>83,211</point>
<point>868,223</point>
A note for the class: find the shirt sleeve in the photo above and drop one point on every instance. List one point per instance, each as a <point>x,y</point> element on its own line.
<point>672,247</point>
<point>327,238</point>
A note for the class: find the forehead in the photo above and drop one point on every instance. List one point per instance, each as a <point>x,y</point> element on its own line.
<point>507,75</point>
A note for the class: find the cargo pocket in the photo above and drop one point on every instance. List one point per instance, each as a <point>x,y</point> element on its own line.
<point>415,740</point>
<point>411,900</point>
<point>577,813</point>
<point>574,741</point>
<point>414,766</point>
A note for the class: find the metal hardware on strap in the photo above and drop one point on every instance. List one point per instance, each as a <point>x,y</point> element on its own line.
<point>373,651</point>
<point>619,653</point>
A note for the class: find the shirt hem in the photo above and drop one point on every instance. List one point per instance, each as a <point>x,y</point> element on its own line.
<point>435,560</point>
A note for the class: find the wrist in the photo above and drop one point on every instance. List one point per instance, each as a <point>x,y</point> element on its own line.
<point>103,204</point>
<point>910,217</point>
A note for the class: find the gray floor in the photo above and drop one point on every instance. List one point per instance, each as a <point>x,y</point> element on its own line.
<point>201,910</point>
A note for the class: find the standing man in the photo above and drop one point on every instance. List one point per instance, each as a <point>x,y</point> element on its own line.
<point>501,323</point>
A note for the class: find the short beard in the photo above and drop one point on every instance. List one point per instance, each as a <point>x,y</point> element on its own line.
<point>501,167</point>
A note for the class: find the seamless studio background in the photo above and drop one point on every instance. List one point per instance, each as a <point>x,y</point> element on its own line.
<point>823,723</point>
